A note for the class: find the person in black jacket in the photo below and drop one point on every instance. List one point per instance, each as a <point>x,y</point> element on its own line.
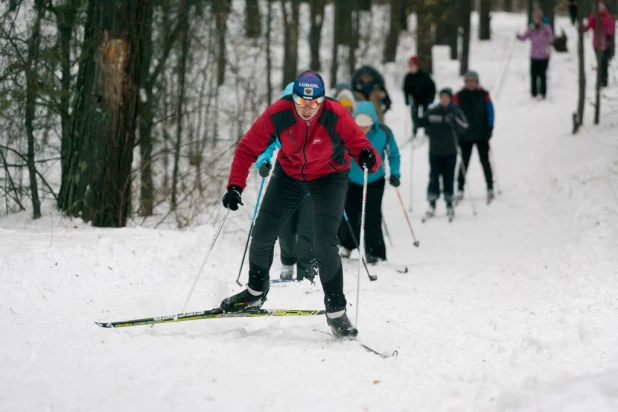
<point>368,85</point>
<point>479,110</point>
<point>419,90</point>
<point>443,123</point>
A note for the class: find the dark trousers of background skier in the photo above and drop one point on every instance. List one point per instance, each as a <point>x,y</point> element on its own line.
<point>374,239</point>
<point>283,196</point>
<point>415,116</point>
<point>441,166</point>
<point>296,241</point>
<point>483,150</point>
<point>538,76</point>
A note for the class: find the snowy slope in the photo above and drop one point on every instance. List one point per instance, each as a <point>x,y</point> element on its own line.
<point>513,309</point>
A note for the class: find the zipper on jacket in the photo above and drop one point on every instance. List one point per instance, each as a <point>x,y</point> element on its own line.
<point>302,170</point>
<point>294,141</point>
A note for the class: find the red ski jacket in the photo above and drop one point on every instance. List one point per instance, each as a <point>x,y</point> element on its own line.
<point>309,150</point>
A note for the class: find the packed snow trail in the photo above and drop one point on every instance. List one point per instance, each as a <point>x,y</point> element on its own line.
<point>513,309</point>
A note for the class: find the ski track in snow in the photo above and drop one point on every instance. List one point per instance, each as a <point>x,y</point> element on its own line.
<point>513,309</point>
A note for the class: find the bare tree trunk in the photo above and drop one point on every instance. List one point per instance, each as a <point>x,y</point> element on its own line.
<point>581,102</point>
<point>599,53</point>
<point>145,121</point>
<point>221,10</point>
<point>182,73</point>
<point>336,36</point>
<point>549,11</point>
<point>269,69</point>
<point>290,57</point>
<point>466,10</point>
<point>365,5</point>
<point>392,38</point>
<point>97,184</point>
<point>530,8</point>
<point>253,25</point>
<point>354,35</point>
<point>424,41</point>
<point>31,94</point>
<point>65,20</point>
<point>485,20</point>
<point>315,32</point>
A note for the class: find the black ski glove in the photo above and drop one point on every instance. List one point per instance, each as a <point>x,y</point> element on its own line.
<point>394,181</point>
<point>490,133</point>
<point>367,158</point>
<point>265,169</point>
<point>232,199</point>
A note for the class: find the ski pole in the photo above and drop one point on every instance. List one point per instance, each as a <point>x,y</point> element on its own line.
<point>411,177</point>
<point>347,221</point>
<point>199,273</point>
<point>403,208</point>
<point>495,175</point>
<point>264,171</point>
<point>464,171</point>
<point>388,235</point>
<point>504,69</point>
<point>361,247</point>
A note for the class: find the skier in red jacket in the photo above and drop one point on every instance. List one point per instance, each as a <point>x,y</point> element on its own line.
<point>318,139</point>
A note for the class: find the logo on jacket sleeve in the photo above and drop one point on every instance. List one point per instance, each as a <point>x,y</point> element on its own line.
<point>317,140</point>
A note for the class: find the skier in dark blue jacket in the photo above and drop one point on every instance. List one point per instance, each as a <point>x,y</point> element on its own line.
<point>443,124</point>
<point>479,110</point>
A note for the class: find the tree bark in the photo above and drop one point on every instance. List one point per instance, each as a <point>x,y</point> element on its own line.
<point>354,35</point>
<point>269,19</point>
<point>32,63</point>
<point>65,20</point>
<point>392,38</point>
<point>364,5</point>
<point>485,20</point>
<point>424,41</point>
<point>290,58</point>
<point>581,101</point>
<point>549,11</point>
<point>599,54</point>
<point>181,73</point>
<point>334,65</point>
<point>253,25</point>
<point>221,10</point>
<point>466,10</point>
<point>97,185</point>
<point>315,32</point>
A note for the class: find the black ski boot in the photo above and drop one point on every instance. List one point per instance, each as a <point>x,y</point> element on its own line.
<point>247,299</point>
<point>450,211</point>
<point>341,325</point>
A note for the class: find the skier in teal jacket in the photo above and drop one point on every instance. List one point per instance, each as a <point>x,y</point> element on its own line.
<point>383,140</point>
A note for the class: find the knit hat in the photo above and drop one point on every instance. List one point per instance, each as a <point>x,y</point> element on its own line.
<point>448,91</point>
<point>309,85</point>
<point>472,75</point>
<point>363,119</point>
<point>346,98</point>
<point>414,60</point>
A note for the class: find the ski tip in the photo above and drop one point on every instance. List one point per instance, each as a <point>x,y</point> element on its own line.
<point>104,325</point>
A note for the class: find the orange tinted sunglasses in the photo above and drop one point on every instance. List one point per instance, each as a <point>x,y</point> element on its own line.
<point>314,103</point>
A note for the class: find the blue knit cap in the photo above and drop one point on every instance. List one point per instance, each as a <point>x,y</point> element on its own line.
<point>309,85</point>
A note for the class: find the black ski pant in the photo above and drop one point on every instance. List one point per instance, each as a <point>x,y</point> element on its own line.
<point>538,75</point>
<point>466,151</point>
<point>296,241</point>
<point>374,239</point>
<point>441,166</point>
<point>415,116</point>
<point>283,196</point>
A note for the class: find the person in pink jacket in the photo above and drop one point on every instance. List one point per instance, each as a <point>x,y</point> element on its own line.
<point>541,38</point>
<point>606,42</point>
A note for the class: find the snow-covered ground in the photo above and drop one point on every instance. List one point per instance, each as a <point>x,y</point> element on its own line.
<point>513,309</point>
